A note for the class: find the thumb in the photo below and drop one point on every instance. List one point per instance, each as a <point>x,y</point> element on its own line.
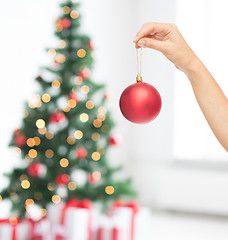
<point>151,43</point>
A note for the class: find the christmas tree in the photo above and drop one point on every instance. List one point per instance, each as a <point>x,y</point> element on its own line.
<point>66,130</point>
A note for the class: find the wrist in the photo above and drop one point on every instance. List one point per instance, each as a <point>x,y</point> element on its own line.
<point>193,68</point>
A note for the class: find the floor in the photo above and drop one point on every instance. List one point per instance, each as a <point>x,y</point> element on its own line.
<point>173,226</point>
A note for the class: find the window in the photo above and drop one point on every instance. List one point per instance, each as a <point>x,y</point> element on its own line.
<point>203,23</point>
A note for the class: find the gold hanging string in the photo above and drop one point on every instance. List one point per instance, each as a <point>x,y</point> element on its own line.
<point>139,63</point>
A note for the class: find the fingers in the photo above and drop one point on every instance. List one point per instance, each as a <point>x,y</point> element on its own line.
<point>151,28</point>
<point>152,43</point>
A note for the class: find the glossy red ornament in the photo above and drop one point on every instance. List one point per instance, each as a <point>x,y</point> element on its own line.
<point>20,140</point>
<point>84,73</point>
<point>36,169</point>
<point>140,102</point>
<point>81,153</point>
<point>62,179</point>
<point>57,117</point>
<point>65,22</point>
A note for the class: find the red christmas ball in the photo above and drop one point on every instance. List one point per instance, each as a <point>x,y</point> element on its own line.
<point>84,73</point>
<point>62,179</point>
<point>57,117</point>
<point>65,23</point>
<point>140,103</point>
<point>36,169</point>
<point>73,96</point>
<point>20,140</point>
<point>81,153</point>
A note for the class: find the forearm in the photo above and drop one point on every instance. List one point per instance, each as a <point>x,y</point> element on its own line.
<point>211,99</point>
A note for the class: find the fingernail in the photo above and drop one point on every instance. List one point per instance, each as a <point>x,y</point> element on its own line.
<point>135,39</point>
<point>141,43</point>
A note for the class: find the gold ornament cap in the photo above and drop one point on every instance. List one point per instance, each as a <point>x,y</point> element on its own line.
<point>139,78</point>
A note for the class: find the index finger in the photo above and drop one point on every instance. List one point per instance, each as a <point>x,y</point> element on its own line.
<point>151,28</point>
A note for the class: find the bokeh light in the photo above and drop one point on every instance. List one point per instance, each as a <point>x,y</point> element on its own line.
<point>29,202</point>
<point>40,123</point>
<point>72,186</point>
<point>55,84</point>
<point>78,80</point>
<point>101,116</point>
<point>96,156</point>
<point>25,184</point>
<point>81,53</point>
<point>50,187</point>
<point>43,212</point>
<point>64,162</point>
<point>72,103</point>
<point>32,153</point>
<point>49,153</point>
<point>84,117</point>
<point>49,135</point>
<point>109,190</point>
<point>37,141</point>
<point>102,109</point>
<point>42,130</point>
<point>60,58</point>
<point>52,52</point>
<point>46,97</point>
<point>96,136</point>
<point>56,199</point>
<point>38,195</point>
<point>85,89</point>
<point>71,140</point>
<point>74,14</point>
<point>89,104</point>
<point>78,134</point>
<point>62,44</point>
<point>23,177</point>
<point>66,9</point>
<point>97,123</point>
<point>30,142</point>
<point>101,150</point>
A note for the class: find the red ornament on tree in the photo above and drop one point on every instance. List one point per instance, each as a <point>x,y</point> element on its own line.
<point>57,117</point>
<point>84,73</point>
<point>140,102</point>
<point>17,131</point>
<point>107,95</point>
<point>20,140</point>
<point>62,179</point>
<point>94,177</point>
<point>81,153</point>
<point>65,22</point>
<point>113,141</point>
<point>90,45</point>
<point>36,169</point>
<point>73,96</point>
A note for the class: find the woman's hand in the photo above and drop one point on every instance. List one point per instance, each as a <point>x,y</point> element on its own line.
<point>167,39</point>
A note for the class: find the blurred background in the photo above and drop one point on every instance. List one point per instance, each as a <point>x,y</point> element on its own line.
<point>177,165</point>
